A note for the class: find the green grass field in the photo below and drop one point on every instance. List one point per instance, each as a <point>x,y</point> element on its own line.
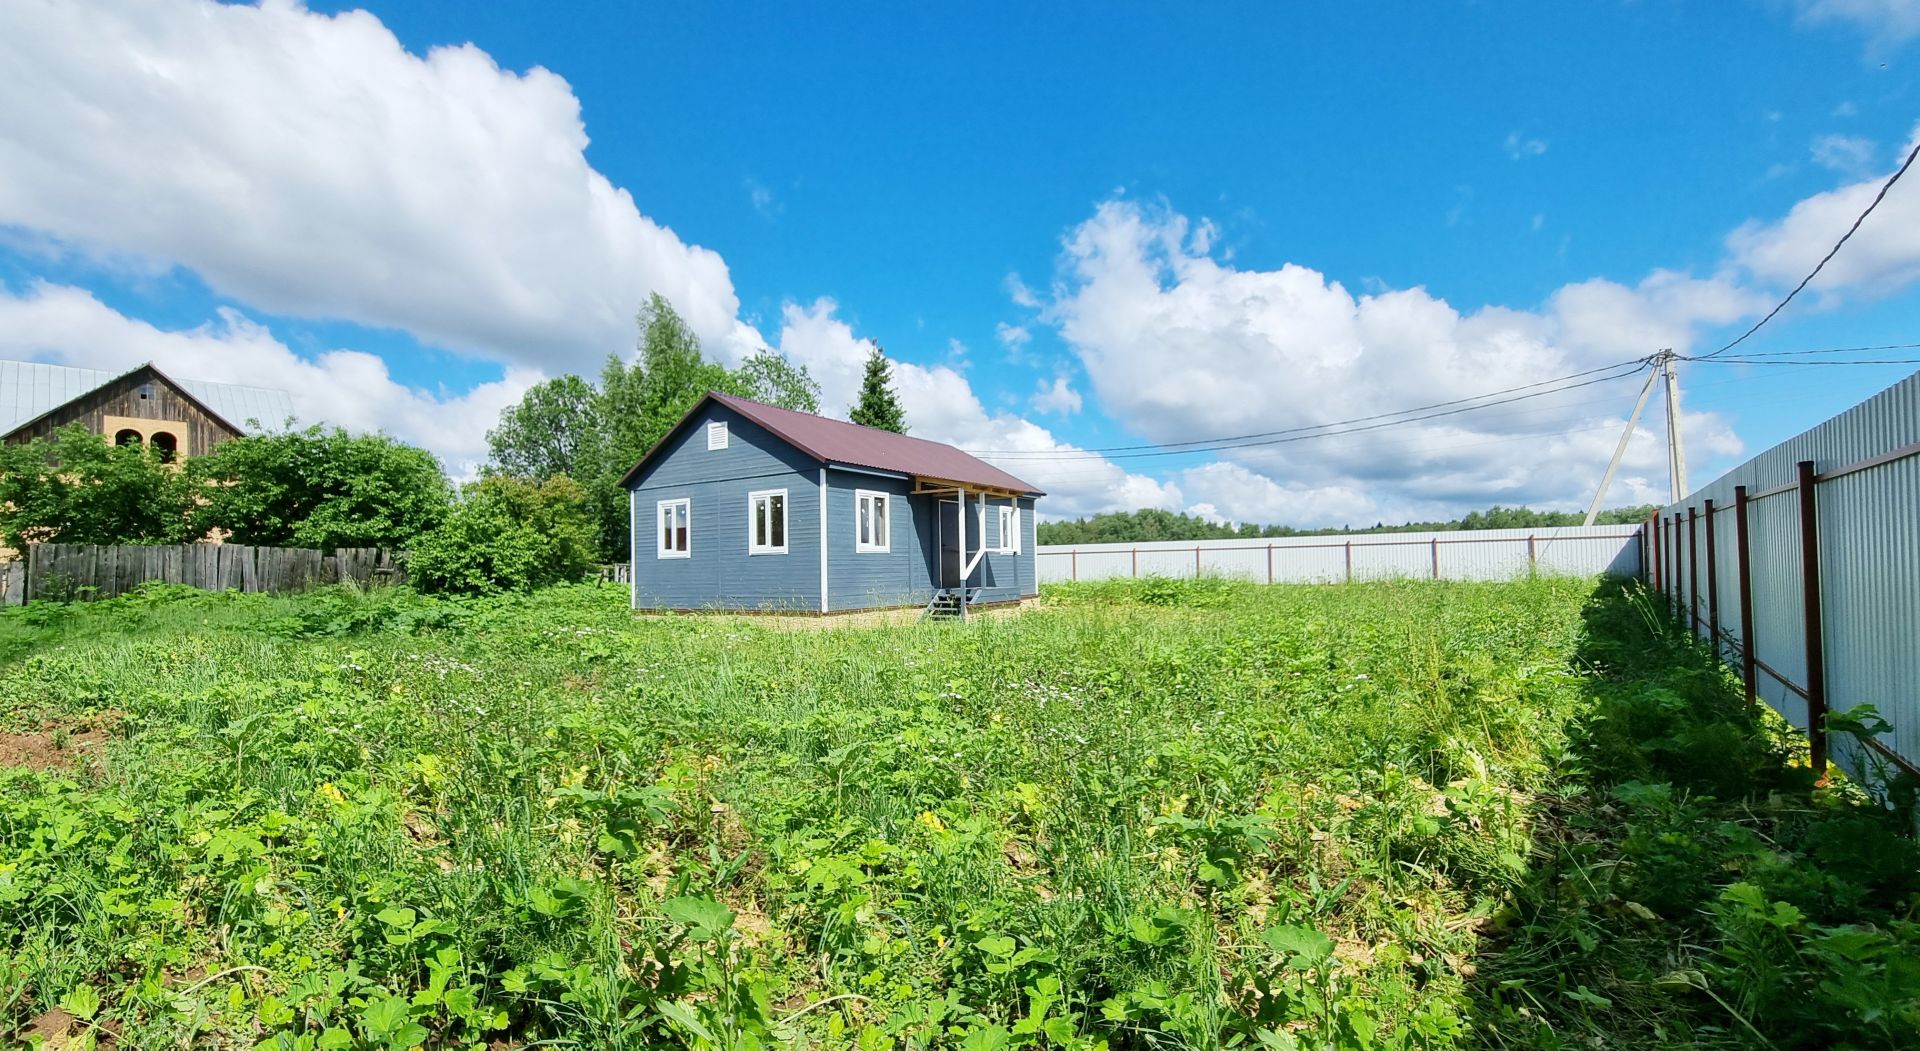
<point>1148,814</point>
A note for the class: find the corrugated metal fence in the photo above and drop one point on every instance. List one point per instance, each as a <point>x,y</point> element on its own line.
<point>1816,544</point>
<point>1486,554</point>
<point>70,571</point>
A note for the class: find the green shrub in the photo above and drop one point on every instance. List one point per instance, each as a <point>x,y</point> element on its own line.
<point>319,488</point>
<point>507,533</point>
<point>76,488</point>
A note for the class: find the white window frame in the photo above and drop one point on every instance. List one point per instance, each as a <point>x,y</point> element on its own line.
<point>862,500</point>
<point>662,531</point>
<point>754,547</point>
<point>1009,523</point>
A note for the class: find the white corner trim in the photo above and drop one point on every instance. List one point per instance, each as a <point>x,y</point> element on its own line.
<point>633,548</point>
<point>823,540</point>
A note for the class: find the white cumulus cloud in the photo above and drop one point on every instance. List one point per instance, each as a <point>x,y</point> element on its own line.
<point>1181,346</point>
<point>311,166</point>
<point>1057,397</point>
<point>1883,255</point>
<point>1886,21</point>
<point>1520,147</point>
<point>1846,154</point>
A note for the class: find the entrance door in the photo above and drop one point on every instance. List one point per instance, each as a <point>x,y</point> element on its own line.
<point>950,562</point>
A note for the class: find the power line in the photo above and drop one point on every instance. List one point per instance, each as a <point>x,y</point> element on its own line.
<point>1317,433</point>
<point>1824,350</point>
<point>1754,361</point>
<point>1093,469</point>
<point>1835,250</point>
<point>1242,441</point>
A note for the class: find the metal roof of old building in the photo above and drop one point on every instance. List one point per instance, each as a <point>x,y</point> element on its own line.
<point>839,442</point>
<point>31,389</point>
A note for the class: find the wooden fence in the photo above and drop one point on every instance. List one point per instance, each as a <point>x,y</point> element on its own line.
<point>88,571</point>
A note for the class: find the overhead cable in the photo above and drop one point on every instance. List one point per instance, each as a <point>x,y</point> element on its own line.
<point>1390,419</point>
<point>1831,252</point>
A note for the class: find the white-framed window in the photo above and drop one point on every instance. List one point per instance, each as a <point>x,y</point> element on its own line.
<point>1009,530</point>
<point>676,528</point>
<point>717,435</point>
<point>767,522</point>
<point>873,520</point>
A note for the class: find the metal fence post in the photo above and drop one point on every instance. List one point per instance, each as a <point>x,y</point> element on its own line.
<point>1713,584</point>
<point>1650,541</point>
<point>1666,558</point>
<point>1269,563</point>
<point>1743,564</point>
<point>1436,558</point>
<point>1136,562</point>
<point>1679,582</point>
<point>1533,556</point>
<point>1073,558</point>
<point>1349,561</point>
<point>1815,629</point>
<point>1693,571</point>
<point>1196,561</point>
<point>1667,532</point>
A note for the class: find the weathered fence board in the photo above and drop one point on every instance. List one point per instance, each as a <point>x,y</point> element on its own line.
<point>70,571</point>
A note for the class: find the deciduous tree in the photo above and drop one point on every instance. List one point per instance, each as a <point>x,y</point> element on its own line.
<point>594,433</point>
<point>555,429</point>
<point>319,488</point>
<point>76,488</point>
<point>507,532</point>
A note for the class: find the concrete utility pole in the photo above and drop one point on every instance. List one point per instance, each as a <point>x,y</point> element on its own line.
<point>1676,450</point>
<point>1606,480</point>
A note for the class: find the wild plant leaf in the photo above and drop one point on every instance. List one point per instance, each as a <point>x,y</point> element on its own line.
<point>681,1015</point>
<point>705,916</point>
<point>996,945</point>
<point>396,917</point>
<point>81,1001</point>
<point>1304,946</point>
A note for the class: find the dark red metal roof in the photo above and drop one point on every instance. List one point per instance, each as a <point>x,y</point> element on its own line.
<point>837,441</point>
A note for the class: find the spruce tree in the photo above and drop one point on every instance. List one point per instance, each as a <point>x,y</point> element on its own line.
<point>878,405</point>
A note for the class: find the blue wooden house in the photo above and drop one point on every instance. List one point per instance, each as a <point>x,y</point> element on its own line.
<point>745,506</point>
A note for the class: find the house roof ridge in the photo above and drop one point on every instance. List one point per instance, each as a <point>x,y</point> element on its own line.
<point>832,441</point>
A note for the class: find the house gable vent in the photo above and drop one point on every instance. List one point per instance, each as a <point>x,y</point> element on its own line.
<point>716,435</point>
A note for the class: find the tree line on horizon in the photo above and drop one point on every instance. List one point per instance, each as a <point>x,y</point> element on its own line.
<point>1153,524</point>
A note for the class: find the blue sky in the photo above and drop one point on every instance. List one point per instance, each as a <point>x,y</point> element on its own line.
<point>1074,227</point>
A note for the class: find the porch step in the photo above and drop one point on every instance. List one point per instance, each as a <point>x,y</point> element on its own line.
<point>947,604</point>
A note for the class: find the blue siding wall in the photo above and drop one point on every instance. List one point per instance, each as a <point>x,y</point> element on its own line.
<point>1004,578</point>
<point>901,576</point>
<point>720,574</point>
<point>906,574</point>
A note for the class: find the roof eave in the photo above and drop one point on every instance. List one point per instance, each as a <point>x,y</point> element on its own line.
<point>710,397</point>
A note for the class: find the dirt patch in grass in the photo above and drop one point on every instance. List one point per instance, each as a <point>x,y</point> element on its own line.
<point>57,745</point>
